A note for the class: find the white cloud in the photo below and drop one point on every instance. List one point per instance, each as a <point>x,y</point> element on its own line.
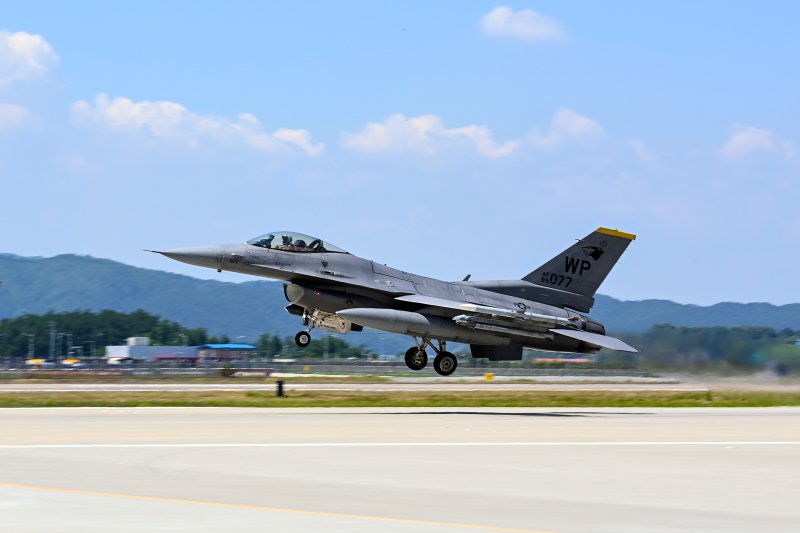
<point>747,140</point>
<point>13,117</point>
<point>424,134</point>
<point>525,24</point>
<point>174,122</point>
<point>642,151</point>
<point>24,57</point>
<point>567,126</point>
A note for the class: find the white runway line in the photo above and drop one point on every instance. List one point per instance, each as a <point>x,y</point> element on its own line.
<point>394,444</point>
<point>355,389</point>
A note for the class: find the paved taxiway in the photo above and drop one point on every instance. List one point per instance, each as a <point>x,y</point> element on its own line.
<point>399,470</point>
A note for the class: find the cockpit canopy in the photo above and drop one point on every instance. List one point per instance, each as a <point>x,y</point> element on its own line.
<point>290,241</point>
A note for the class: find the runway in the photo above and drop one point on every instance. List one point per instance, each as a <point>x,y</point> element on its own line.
<point>398,469</point>
<point>434,386</point>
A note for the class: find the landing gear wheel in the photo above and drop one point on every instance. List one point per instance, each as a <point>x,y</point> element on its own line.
<point>302,339</point>
<point>416,359</point>
<point>445,363</point>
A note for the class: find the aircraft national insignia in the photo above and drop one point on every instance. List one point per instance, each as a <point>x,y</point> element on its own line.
<point>593,251</point>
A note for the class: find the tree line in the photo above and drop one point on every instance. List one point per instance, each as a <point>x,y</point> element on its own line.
<point>714,348</point>
<point>86,333</point>
<point>661,347</point>
<point>269,345</point>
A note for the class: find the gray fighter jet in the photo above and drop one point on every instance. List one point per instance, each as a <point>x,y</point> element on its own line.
<point>334,290</point>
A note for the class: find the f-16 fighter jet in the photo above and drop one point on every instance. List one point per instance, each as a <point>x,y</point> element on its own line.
<point>334,290</point>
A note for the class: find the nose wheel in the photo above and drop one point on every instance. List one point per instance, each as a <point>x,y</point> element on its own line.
<point>416,359</point>
<point>302,339</point>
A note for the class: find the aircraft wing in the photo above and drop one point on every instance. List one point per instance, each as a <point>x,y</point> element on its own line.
<point>487,311</point>
<point>512,322</point>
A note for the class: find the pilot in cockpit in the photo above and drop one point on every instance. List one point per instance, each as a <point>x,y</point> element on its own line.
<point>265,243</point>
<point>293,242</point>
<point>286,243</point>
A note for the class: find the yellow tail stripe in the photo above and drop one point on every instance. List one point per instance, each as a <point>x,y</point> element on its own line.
<point>617,233</point>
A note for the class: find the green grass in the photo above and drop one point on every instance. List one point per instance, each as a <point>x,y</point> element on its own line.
<point>402,399</point>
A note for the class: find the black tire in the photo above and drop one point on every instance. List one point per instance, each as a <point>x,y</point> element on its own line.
<point>416,359</point>
<point>445,363</point>
<point>302,339</point>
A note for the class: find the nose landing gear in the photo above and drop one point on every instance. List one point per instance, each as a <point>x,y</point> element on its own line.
<point>302,339</point>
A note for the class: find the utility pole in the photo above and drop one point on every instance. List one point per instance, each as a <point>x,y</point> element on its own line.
<point>52,327</point>
<point>31,344</point>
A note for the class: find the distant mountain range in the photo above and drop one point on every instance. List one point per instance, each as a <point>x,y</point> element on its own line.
<point>71,282</point>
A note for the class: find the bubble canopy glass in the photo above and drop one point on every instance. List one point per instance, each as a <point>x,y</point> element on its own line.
<point>290,241</point>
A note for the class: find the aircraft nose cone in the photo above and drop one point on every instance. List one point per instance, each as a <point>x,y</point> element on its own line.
<point>206,256</point>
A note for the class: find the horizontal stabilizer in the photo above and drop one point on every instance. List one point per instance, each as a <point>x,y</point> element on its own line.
<point>604,341</point>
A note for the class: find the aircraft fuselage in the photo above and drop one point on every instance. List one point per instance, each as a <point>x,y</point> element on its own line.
<point>337,291</point>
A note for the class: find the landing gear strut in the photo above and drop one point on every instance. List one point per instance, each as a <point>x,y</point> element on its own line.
<point>444,363</point>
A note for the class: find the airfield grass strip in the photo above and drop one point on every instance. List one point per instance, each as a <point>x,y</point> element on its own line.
<point>725,398</point>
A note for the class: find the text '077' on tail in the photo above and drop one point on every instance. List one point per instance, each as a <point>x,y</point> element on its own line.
<point>581,268</point>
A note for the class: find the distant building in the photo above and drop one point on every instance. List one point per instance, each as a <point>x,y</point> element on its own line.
<point>138,341</point>
<point>139,349</point>
<point>224,352</point>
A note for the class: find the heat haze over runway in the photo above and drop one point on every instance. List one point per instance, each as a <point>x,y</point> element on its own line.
<point>399,469</point>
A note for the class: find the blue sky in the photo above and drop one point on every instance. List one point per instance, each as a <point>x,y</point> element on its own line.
<point>443,138</point>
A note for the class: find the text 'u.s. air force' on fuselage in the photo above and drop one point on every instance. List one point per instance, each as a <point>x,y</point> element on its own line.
<point>334,290</point>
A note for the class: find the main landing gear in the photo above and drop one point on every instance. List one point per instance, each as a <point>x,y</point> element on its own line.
<point>416,359</point>
<point>444,363</point>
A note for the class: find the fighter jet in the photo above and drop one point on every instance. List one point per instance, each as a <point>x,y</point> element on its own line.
<point>336,291</point>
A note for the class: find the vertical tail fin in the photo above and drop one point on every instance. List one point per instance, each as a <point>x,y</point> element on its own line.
<point>582,267</point>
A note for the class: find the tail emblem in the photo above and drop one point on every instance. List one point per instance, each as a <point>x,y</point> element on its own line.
<point>593,251</point>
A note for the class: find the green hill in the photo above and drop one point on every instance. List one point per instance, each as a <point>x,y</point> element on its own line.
<point>71,282</point>
<point>640,315</point>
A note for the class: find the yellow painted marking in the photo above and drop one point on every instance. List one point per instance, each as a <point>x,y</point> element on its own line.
<point>617,233</point>
<point>303,512</point>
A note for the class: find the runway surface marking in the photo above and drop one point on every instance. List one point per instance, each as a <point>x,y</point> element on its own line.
<point>305,512</point>
<point>395,444</point>
<point>449,388</point>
